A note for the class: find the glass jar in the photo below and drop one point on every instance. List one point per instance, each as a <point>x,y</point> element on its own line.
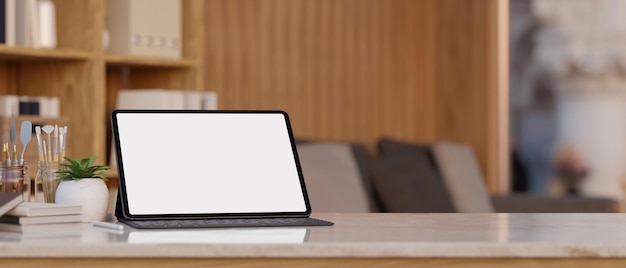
<point>47,176</point>
<point>15,179</point>
<point>37,194</point>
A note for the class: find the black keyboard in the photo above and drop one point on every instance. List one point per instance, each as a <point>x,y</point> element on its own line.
<point>226,223</point>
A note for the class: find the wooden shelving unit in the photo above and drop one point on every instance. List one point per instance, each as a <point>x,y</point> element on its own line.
<point>13,53</point>
<point>86,78</point>
<point>123,60</point>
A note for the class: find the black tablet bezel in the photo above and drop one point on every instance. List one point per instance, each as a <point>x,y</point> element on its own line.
<point>122,208</point>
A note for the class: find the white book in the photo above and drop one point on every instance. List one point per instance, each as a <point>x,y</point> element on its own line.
<point>37,228</point>
<point>49,107</point>
<point>150,99</point>
<point>21,24</point>
<point>44,209</point>
<point>53,107</point>
<point>46,23</point>
<point>9,24</point>
<point>176,99</point>
<point>40,219</point>
<point>193,100</point>
<point>43,105</point>
<point>209,100</point>
<point>9,104</point>
<point>32,16</point>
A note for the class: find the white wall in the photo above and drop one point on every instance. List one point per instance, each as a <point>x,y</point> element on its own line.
<point>595,124</point>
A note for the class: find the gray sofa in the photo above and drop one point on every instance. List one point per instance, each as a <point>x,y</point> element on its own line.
<point>417,178</point>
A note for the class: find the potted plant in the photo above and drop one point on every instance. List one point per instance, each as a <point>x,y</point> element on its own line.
<point>82,183</point>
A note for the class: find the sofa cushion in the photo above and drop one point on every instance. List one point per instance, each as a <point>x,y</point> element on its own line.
<point>388,146</point>
<point>407,182</point>
<point>463,177</point>
<point>332,177</point>
<point>364,160</point>
<point>547,204</point>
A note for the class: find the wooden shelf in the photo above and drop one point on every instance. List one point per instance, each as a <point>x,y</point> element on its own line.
<point>17,53</point>
<point>76,72</point>
<point>149,62</point>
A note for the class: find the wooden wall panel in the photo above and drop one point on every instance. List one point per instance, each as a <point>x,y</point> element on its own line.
<point>8,83</point>
<point>466,79</point>
<point>359,70</point>
<point>344,70</point>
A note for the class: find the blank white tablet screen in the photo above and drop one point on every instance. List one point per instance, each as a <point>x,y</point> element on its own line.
<point>207,163</point>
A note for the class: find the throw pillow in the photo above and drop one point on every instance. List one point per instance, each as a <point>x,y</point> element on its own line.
<point>332,177</point>
<point>388,146</point>
<point>407,182</point>
<point>463,177</point>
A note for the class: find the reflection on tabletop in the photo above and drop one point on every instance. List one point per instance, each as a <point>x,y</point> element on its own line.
<point>220,236</point>
<point>94,235</point>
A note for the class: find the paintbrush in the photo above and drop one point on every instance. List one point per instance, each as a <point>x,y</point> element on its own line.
<point>62,134</point>
<point>55,153</point>
<point>26,131</point>
<point>12,136</point>
<point>5,147</point>
<point>39,146</point>
<point>47,148</point>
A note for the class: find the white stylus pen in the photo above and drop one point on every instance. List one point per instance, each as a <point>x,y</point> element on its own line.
<point>108,225</point>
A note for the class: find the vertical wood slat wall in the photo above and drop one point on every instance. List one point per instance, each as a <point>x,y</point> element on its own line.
<point>359,70</point>
<point>466,88</point>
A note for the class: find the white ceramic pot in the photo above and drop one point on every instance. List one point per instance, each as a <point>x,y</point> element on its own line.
<point>91,193</point>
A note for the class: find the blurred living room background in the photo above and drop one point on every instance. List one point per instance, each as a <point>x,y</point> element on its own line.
<point>531,86</point>
<point>568,111</point>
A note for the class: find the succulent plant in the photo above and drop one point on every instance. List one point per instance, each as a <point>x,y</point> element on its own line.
<point>76,169</point>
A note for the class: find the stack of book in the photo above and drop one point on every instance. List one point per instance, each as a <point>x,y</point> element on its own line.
<point>166,99</point>
<point>30,23</point>
<point>30,217</point>
<point>9,200</point>
<point>43,106</point>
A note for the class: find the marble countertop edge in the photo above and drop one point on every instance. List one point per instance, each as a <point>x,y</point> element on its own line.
<point>321,250</point>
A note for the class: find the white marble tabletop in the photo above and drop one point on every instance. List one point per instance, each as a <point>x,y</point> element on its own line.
<point>353,235</point>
